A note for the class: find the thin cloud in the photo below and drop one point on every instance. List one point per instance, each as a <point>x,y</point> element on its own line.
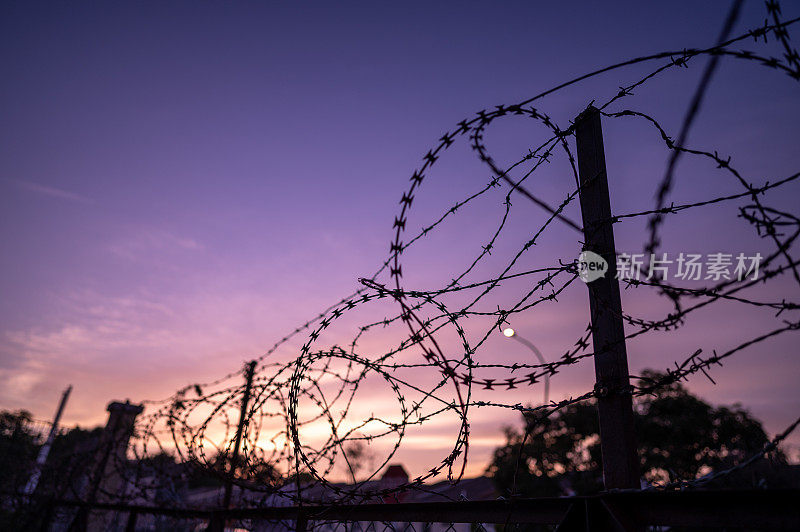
<point>146,243</point>
<point>52,192</point>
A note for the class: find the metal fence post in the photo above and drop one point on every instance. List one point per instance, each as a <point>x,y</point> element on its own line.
<point>614,401</point>
<point>301,525</point>
<point>218,520</point>
<point>251,367</point>
<point>47,517</point>
<point>44,451</point>
<point>130,526</point>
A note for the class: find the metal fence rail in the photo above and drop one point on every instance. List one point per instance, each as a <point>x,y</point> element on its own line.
<point>749,509</point>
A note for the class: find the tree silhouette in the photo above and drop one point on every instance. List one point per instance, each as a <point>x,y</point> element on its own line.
<point>358,457</point>
<point>680,436</point>
<point>18,448</point>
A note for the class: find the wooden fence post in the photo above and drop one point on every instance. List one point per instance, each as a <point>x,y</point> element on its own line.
<point>614,401</point>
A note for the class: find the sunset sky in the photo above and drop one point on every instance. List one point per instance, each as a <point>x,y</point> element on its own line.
<point>182,184</point>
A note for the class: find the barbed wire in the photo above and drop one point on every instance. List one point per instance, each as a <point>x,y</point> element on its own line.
<point>298,418</point>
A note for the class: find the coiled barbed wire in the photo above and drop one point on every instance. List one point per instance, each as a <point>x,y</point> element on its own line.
<point>303,414</point>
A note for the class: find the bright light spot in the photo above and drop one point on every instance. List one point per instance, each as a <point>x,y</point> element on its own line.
<point>508,332</point>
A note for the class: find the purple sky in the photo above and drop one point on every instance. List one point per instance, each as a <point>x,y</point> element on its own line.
<point>181,185</point>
